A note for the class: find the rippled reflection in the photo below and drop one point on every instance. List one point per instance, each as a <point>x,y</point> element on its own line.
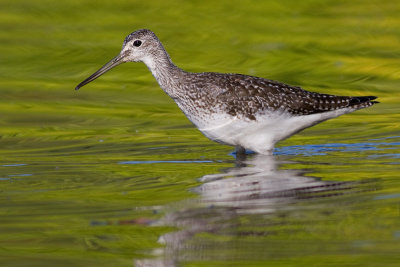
<point>255,186</point>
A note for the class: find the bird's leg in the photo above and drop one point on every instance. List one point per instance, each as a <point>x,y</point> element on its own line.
<point>240,156</point>
<point>240,150</point>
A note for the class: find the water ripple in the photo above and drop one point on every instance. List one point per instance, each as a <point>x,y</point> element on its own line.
<point>163,161</point>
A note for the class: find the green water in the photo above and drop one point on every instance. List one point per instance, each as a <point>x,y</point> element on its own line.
<point>115,175</point>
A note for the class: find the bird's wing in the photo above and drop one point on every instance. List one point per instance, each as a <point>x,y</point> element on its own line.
<point>247,95</point>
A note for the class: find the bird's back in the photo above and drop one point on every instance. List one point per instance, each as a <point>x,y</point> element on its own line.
<point>245,96</point>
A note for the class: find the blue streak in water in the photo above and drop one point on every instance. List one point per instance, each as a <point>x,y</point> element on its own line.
<point>323,149</point>
<point>387,196</point>
<point>163,161</point>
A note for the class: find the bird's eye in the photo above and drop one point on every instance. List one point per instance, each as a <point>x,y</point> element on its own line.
<point>137,43</point>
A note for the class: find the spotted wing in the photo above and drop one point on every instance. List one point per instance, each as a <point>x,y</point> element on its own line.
<point>247,95</point>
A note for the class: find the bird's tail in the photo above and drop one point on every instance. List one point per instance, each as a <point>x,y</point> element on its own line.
<point>362,101</point>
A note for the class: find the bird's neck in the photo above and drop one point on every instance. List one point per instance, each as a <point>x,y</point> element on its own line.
<point>165,72</point>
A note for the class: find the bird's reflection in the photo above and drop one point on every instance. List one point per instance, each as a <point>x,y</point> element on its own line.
<point>256,185</point>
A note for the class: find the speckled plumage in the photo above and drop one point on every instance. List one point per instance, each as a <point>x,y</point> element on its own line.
<point>234,109</point>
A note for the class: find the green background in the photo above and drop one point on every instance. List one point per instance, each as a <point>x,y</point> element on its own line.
<point>93,177</point>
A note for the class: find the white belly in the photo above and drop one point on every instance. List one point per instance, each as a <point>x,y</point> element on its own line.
<point>262,134</point>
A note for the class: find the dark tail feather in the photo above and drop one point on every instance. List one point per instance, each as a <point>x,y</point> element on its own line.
<point>362,101</point>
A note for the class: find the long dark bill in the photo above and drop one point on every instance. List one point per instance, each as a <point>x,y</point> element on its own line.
<point>108,66</point>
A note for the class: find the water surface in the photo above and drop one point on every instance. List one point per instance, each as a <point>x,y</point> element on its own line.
<point>115,175</point>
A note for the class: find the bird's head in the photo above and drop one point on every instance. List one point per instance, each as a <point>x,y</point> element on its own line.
<point>142,45</point>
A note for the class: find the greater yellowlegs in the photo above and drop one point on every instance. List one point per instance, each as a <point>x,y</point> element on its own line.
<point>243,111</point>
